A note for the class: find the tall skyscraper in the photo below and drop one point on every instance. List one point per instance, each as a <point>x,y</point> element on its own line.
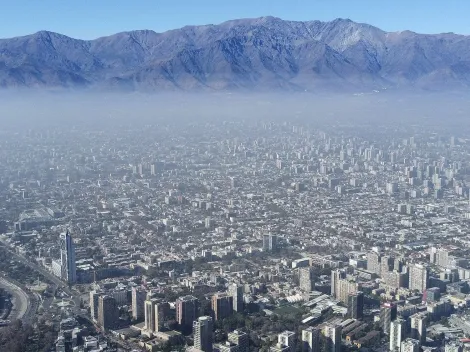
<point>332,333</point>
<point>410,345</point>
<point>311,340</point>
<point>108,312</point>
<point>388,313</point>
<point>287,338</point>
<point>208,222</point>
<point>149,311</point>
<point>386,265</point>
<point>336,275</point>
<point>356,305</point>
<point>395,279</point>
<point>398,264</point>
<point>392,187</point>
<point>161,312</point>
<point>94,304</point>
<point>67,258</point>
<point>202,330</point>
<point>241,339</point>
<point>222,305</point>
<point>397,334</point>
<point>344,288</point>
<point>433,255</point>
<point>306,279</point>
<point>418,327</point>
<point>138,303</point>
<point>443,257</point>
<point>236,291</point>
<point>186,311</point>
<point>233,182</point>
<point>373,262</point>
<point>418,277</point>
<point>269,242</point>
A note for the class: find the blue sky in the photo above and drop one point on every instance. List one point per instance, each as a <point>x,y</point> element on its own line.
<point>89,19</point>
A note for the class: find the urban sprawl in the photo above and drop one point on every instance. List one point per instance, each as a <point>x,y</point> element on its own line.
<point>236,236</point>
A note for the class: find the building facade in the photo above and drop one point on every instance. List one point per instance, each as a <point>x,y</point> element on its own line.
<point>187,309</point>
<point>138,303</point>
<point>202,330</point>
<point>222,305</point>
<point>418,277</point>
<point>356,305</point>
<point>108,312</point>
<point>332,333</point>
<point>311,340</point>
<point>397,334</point>
<point>67,258</point>
<point>236,291</point>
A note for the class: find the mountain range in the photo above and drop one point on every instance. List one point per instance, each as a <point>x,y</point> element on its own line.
<point>265,53</point>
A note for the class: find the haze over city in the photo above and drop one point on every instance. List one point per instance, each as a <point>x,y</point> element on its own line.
<point>240,177</point>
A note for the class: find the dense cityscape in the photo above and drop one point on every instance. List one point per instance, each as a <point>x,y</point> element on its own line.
<point>235,235</point>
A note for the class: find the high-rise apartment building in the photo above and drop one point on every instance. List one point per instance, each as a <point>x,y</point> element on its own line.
<point>418,327</point>
<point>306,279</point>
<point>443,257</point>
<point>336,275</point>
<point>67,258</point>
<point>395,279</point>
<point>156,312</point>
<point>356,305</point>
<point>397,334</point>
<point>94,304</point>
<point>270,242</point>
<point>386,264</point>
<point>202,330</point>
<point>209,223</point>
<point>398,264</point>
<point>373,262</point>
<point>236,291</point>
<point>222,305</point>
<point>392,187</point>
<point>418,277</point>
<point>344,288</point>
<point>162,310</point>
<point>149,313</point>
<point>311,339</point>
<point>433,255</point>
<point>108,312</point>
<point>138,303</point>
<point>332,333</point>
<point>187,308</point>
<point>388,313</point>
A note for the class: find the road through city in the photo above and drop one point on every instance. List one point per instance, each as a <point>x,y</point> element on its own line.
<point>20,299</point>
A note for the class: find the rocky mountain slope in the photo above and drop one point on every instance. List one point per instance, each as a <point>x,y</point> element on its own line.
<point>258,54</point>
